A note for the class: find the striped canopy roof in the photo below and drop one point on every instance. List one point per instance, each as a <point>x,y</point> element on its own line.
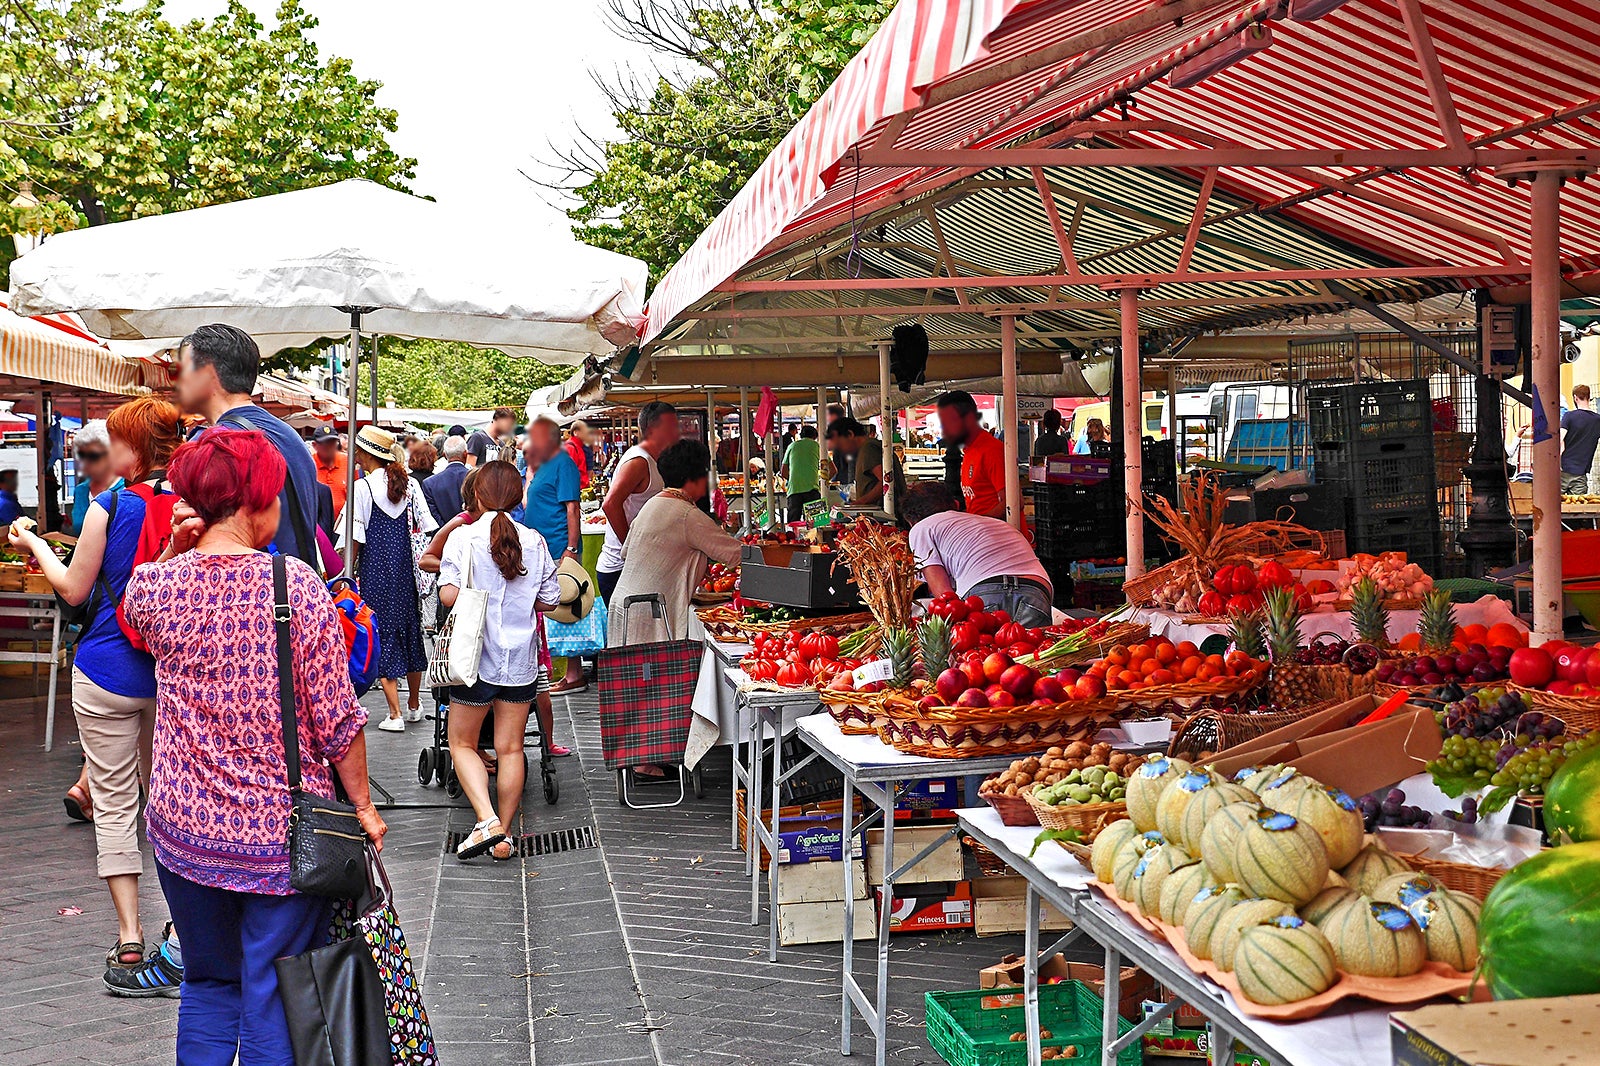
<point>55,353</point>
<point>1365,151</point>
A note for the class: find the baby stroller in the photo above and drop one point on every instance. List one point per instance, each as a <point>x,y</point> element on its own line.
<point>434,762</point>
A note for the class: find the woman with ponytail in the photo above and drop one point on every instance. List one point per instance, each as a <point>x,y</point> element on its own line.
<point>510,562</point>
<point>388,507</point>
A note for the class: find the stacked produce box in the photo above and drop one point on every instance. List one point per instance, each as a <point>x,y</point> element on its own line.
<point>1374,440</point>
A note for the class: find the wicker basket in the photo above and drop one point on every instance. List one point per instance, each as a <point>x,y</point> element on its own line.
<point>722,623</point>
<point>835,625</point>
<point>857,713</point>
<point>1117,633</point>
<point>1475,881</point>
<point>1578,712</point>
<point>1451,452</point>
<point>1157,695</point>
<point>1013,810</point>
<point>989,864</point>
<point>1216,731</point>
<point>1086,818</point>
<point>969,732</point>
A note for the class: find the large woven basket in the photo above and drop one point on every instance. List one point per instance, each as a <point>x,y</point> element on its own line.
<point>1086,818</point>
<point>989,864</point>
<point>1013,810</point>
<point>861,713</point>
<point>1117,633</point>
<point>1475,881</point>
<point>1578,712</point>
<point>968,732</point>
<point>835,625</point>
<point>722,623</point>
<point>1214,731</point>
<point>1160,695</point>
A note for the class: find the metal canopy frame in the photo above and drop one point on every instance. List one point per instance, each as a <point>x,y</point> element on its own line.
<point>1062,175</point>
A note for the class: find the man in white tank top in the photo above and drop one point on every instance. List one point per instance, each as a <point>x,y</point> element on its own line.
<point>635,481</point>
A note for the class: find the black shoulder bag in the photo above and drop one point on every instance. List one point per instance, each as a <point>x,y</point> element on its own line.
<point>327,846</point>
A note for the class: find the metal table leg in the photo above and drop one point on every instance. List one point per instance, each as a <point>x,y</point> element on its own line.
<point>847,853</point>
<point>753,812</point>
<point>1113,994</point>
<point>55,666</point>
<point>1030,974</point>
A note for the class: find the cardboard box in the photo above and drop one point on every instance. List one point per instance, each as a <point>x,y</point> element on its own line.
<point>1000,905</point>
<point>1071,470</point>
<point>812,833</point>
<point>944,865</point>
<point>1133,988</point>
<point>937,793</point>
<point>934,909</point>
<point>819,882</point>
<point>1339,716</point>
<point>1518,1032</point>
<point>822,923</point>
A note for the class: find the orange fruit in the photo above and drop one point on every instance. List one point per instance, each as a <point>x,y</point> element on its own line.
<point>1162,677</point>
<point>1114,682</point>
<point>1216,662</point>
<point>1410,642</point>
<point>1138,654</point>
<point>1236,660</point>
<point>1190,666</point>
<point>1128,678</point>
<point>1117,655</point>
<point>1187,649</point>
<point>1148,667</point>
<point>1207,672</point>
<point>1506,635</point>
<point>1167,654</point>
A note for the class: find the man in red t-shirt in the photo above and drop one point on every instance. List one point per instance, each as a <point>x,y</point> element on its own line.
<point>983,457</point>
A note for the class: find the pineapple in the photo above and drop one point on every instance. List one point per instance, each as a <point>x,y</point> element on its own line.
<point>1368,615</point>
<point>933,641</point>
<point>1437,625</point>
<point>900,648</point>
<point>1282,625</point>
<point>1246,634</point>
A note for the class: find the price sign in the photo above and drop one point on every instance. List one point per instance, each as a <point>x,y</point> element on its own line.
<point>815,513</point>
<point>870,673</point>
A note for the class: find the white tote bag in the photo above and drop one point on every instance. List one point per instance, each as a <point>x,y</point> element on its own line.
<point>459,645</point>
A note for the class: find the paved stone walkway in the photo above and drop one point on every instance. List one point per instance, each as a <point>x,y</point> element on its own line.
<point>634,950</point>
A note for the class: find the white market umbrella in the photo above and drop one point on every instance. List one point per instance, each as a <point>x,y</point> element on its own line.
<point>339,260</point>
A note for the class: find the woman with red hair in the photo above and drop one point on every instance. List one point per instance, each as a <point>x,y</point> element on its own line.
<point>218,810</point>
<point>113,683</point>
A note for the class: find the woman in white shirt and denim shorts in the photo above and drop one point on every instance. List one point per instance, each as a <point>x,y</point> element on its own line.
<point>508,561</point>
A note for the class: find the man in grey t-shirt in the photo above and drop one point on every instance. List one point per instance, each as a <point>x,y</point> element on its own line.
<point>482,446</point>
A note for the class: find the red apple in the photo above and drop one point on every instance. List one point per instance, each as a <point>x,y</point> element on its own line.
<point>1560,688</point>
<point>950,684</point>
<point>1570,663</point>
<point>1069,676</point>
<point>929,702</point>
<point>1591,667</point>
<point>993,692</point>
<point>1019,681</point>
<point>973,697</point>
<point>1049,690</point>
<point>973,668</point>
<point>1088,688</point>
<point>1002,699</point>
<point>996,665</point>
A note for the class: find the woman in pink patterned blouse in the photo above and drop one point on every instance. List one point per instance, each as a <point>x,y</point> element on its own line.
<point>218,809</point>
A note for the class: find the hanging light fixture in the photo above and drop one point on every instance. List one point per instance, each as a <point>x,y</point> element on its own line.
<point>1220,56</point>
<point>1310,10</point>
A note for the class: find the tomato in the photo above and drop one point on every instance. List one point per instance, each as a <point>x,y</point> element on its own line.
<point>1009,633</point>
<point>974,604</point>
<point>793,674</point>
<point>1240,604</point>
<point>808,645</point>
<point>1213,605</point>
<point>759,669</point>
<point>1275,575</point>
<point>827,646</point>
<point>964,637</point>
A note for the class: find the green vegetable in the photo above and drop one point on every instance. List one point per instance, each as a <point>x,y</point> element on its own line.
<point>1070,835</point>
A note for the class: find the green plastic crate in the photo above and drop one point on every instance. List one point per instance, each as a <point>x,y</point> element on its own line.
<point>965,1033</point>
<point>1470,589</point>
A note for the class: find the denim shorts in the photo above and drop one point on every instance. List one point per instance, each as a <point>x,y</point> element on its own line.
<point>484,693</point>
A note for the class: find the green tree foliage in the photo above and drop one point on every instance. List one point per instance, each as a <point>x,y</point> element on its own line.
<point>450,375</point>
<point>112,112</point>
<point>742,72</point>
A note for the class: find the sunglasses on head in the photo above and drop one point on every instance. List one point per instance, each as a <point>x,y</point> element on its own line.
<point>90,457</point>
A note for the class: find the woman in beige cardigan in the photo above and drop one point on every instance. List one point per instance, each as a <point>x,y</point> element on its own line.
<point>667,548</point>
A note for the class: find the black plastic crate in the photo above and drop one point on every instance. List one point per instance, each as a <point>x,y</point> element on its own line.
<point>1414,532</point>
<point>1369,410</point>
<point>1380,477</point>
<point>818,780</point>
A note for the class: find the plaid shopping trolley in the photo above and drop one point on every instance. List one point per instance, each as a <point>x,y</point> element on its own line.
<point>646,695</point>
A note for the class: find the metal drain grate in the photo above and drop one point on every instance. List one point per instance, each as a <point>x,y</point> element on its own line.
<point>580,839</point>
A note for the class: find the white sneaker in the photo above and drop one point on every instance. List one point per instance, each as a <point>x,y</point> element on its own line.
<point>413,714</point>
<point>392,725</point>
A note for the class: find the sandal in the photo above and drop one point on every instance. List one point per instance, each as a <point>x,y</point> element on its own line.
<point>484,836</point>
<point>559,752</point>
<point>510,850</point>
<point>79,809</point>
<point>125,956</point>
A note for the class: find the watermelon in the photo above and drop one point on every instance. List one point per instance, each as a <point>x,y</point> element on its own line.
<point>1540,924</point>
<point>1283,961</point>
<point>1572,800</point>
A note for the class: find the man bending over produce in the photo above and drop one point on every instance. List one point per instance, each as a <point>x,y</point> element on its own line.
<point>974,555</point>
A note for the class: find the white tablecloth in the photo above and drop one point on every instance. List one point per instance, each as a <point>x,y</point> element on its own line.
<point>1485,612</point>
<point>715,703</point>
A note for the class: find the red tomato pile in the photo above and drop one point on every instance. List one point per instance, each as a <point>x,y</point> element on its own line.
<point>809,660</point>
<point>1236,589</point>
<point>974,628</point>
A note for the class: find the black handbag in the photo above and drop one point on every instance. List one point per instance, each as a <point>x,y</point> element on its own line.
<point>333,1001</point>
<point>327,846</point>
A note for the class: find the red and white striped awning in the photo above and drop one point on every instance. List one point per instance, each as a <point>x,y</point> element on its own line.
<point>1380,125</point>
<point>55,350</point>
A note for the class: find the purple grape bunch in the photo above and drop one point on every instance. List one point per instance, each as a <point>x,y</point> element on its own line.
<point>1468,814</point>
<point>1482,715</point>
<point>1391,811</point>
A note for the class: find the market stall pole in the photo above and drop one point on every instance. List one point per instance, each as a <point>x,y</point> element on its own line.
<point>1132,427</point>
<point>350,441</point>
<point>886,427</point>
<point>1009,423</point>
<point>744,454</point>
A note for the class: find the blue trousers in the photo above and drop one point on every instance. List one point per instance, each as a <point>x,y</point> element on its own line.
<point>230,1004</point>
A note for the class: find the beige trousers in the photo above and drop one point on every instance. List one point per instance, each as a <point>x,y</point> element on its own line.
<point>116,733</point>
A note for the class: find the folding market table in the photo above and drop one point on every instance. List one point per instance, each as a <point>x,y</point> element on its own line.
<point>878,772</point>
<point>1343,1036</point>
<point>37,609</point>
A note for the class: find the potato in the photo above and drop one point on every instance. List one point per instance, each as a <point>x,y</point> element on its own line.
<point>1075,749</point>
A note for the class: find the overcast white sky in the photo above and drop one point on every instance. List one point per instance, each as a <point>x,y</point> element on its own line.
<point>481,86</point>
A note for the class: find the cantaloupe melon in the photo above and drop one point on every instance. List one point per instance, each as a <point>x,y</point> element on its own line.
<point>1324,902</point>
<point>1257,778</point>
<point>1375,939</point>
<point>1106,844</point>
<point>1283,961</point>
<point>1372,864</point>
<point>1208,909</point>
<point>1332,813</point>
<point>1153,868</point>
<point>1233,924</point>
<point>1276,856</point>
<point>1403,889</point>
<point>1335,880</point>
<point>1175,800</point>
<point>1448,920</point>
<point>1277,791</point>
<point>1216,841</point>
<point>1128,857</point>
<point>1178,891</point>
<point>1204,806</point>
<point>1147,784</point>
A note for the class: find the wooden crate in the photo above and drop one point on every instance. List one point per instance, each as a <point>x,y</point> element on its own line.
<point>819,882</point>
<point>999,906</point>
<point>823,923</point>
<point>944,864</point>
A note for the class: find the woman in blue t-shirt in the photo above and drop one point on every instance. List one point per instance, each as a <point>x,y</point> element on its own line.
<point>114,684</point>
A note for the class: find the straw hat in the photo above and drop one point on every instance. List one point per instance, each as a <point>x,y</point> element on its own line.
<point>380,444</point>
<point>577,592</point>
